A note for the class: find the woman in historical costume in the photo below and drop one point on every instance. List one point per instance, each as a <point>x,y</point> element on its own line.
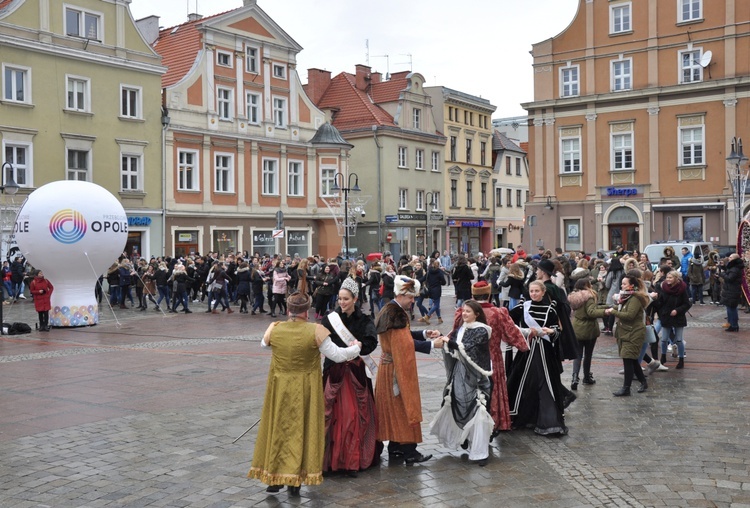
<point>351,421</point>
<point>291,439</point>
<point>631,330</point>
<point>464,419</point>
<point>535,391</point>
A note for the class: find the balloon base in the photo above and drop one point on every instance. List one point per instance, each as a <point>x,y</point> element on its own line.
<point>74,316</point>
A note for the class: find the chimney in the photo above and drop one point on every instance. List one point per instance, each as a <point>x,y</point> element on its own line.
<point>245,3</point>
<point>362,78</point>
<point>376,77</point>
<point>195,16</point>
<point>149,28</point>
<point>317,83</point>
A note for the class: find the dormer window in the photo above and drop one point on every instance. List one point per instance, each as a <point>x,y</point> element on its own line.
<point>81,23</point>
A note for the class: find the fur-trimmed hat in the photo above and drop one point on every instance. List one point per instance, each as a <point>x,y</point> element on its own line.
<point>351,285</point>
<point>404,285</point>
<point>481,288</point>
<point>297,303</point>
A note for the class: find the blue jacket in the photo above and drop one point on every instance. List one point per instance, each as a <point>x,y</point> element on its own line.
<point>685,263</point>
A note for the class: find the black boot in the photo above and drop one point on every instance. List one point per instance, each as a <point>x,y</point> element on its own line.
<point>643,387</point>
<point>588,379</point>
<point>680,363</point>
<point>574,383</point>
<point>622,392</point>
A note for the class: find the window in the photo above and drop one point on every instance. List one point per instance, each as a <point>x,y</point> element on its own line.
<point>450,113</point>
<point>435,201</point>
<point>280,112</point>
<point>469,194</point>
<point>572,229</point>
<point>483,195</point>
<point>498,196</point>
<point>279,71</point>
<point>690,66</point>
<point>80,23</point>
<point>435,161</point>
<point>466,117</point>
<point>78,93</point>
<point>518,166</point>
<point>253,102</point>
<point>224,106</point>
<point>571,155</point>
<point>270,177</point>
<point>569,81</point>
<point>295,186</point>
<point>17,84</point>
<point>468,151</point>
<point>403,199</point>
<point>251,59</point>
<point>692,228</point>
<point>223,59</point>
<point>327,179</point>
<point>18,157</point>
<point>417,118</point>
<point>689,10</point>
<point>419,163</point>
<point>519,203</point>
<point>483,153</point>
<point>508,170</point>
<point>224,172</point>
<point>130,172</point>
<point>471,118</point>
<point>454,193</point>
<point>622,151</point>
<point>621,75</point>
<point>420,200</point>
<point>187,170</point>
<point>78,165</point>
<point>527,197</point>
<point>508,196</point>
<point>691,144</point>
<point>402,156</point>
<point>453,148</point>
<point>619,18</point>
<point>130,101</point>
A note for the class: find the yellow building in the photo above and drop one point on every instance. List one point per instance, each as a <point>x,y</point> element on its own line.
<point>81,101</point>
<point>633,113</point>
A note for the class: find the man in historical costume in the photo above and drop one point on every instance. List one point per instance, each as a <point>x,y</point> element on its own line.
<point>503,330</point>
<point>397,400</point>
<point>291,439</point>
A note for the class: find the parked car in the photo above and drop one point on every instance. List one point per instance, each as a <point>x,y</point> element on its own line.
<point>725,250</point>
<point>655,251</point>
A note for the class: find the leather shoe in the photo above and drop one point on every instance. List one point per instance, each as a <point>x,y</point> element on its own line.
<point>416,458</point>
<point>568,400</point>
<point>294,491</point>
<point>622,392</point>
<point>273,489</point>
<point>643,387</point>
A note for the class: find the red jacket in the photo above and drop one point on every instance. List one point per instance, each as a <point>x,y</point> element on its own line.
<point>41,289</point>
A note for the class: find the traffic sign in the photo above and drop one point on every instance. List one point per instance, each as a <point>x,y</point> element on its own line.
<point>278,233</point>
<point>389,237</point>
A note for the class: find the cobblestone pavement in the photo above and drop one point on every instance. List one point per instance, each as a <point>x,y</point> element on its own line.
<point>143,409</point>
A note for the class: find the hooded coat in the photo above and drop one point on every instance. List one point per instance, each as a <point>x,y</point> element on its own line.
<point>731,287</point>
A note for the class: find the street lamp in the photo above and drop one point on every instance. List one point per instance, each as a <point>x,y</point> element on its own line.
<point>10,187</point>
<point>428,208</point>
<point>737,176</point>
<point>349,188</point>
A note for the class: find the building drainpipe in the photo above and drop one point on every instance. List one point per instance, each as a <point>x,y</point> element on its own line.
<point>164,126</point>
<point>380,187</point>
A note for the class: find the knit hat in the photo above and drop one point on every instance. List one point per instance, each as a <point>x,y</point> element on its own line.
<point>297,303</point>
<point>481,288</point>
<point>351,285</point>
<point>579,273</point>
<point>404,285</point>
<point>547,267</point>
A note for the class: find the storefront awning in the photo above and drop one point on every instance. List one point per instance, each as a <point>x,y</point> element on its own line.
<point>687,206</point>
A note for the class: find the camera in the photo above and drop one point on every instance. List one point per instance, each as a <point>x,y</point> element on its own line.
<point>363,213</point>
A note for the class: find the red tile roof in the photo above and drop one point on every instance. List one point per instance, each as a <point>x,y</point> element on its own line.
<point>4,3</point>
<point>179,47</point>
<point>388,91</point>
<point>354,108</point>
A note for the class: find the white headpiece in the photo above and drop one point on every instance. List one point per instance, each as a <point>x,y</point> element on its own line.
<point>351,285</point>
<point>404,285</point>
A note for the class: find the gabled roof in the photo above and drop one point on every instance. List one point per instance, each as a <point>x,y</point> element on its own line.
<point>353,107</point>
<point>501,142</point>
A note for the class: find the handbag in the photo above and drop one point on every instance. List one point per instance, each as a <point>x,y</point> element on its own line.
<point>424,291</point>
<point>650,334</point>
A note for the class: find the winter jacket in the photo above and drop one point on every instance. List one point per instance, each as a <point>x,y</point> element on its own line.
<point>41,290</point>
<point>280,279</point>
<point>731,285</point>
<point>325,284</point>
<point>671,298</point>
<point>435,280</point>
<point>630,330</point>
<point>462,277</point>
<point>243,281</point>
<point>696,272</point>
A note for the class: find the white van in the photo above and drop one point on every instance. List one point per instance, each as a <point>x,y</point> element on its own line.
<point>655,251</point>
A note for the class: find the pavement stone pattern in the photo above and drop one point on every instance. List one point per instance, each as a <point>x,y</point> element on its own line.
<point>142,411</point>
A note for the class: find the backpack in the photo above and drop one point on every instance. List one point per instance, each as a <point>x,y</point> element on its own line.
<point>16,328</point>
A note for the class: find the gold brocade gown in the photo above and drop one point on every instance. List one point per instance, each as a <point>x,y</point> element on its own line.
<point>291,438</point>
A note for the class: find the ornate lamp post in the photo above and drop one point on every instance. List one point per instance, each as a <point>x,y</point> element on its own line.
<point>10,187</point>
<point>737,177</point>
<point>349,188</point>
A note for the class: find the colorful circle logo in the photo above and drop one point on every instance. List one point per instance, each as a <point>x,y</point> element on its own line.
<point>67,226</point>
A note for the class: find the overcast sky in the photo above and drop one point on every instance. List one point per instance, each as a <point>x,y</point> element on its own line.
<point>480,47</point>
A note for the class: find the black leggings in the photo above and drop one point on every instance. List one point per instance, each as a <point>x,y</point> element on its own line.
<point>632,367</point>
<point>43,319</point>
<point>585,352</point>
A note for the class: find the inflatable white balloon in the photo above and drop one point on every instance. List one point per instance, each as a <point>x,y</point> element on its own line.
<point>73,231</point>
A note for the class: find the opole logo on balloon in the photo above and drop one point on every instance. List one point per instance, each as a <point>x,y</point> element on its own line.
<point>67,226</point>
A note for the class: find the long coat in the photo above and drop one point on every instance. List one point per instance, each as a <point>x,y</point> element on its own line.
<point>585,315</point>
<point>731,286</point>
<point>630,330</point>
<point>41,289</point>
<point>462,277</point>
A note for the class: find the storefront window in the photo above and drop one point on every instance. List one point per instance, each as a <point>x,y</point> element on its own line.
<point>692,228</point>
<point>263,242</point>
<point>572,229</point>
<point>297,243</point>
<point>224,241</point>
<point>185,243</point>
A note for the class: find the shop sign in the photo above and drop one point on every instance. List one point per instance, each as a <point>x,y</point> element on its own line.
<point>412,216</point>
<point>185,238</point>
<point>472,224</point>
<point>297,237</point>
<point>263,238</point>
<point>621,191</point>
<point>139,221</point>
